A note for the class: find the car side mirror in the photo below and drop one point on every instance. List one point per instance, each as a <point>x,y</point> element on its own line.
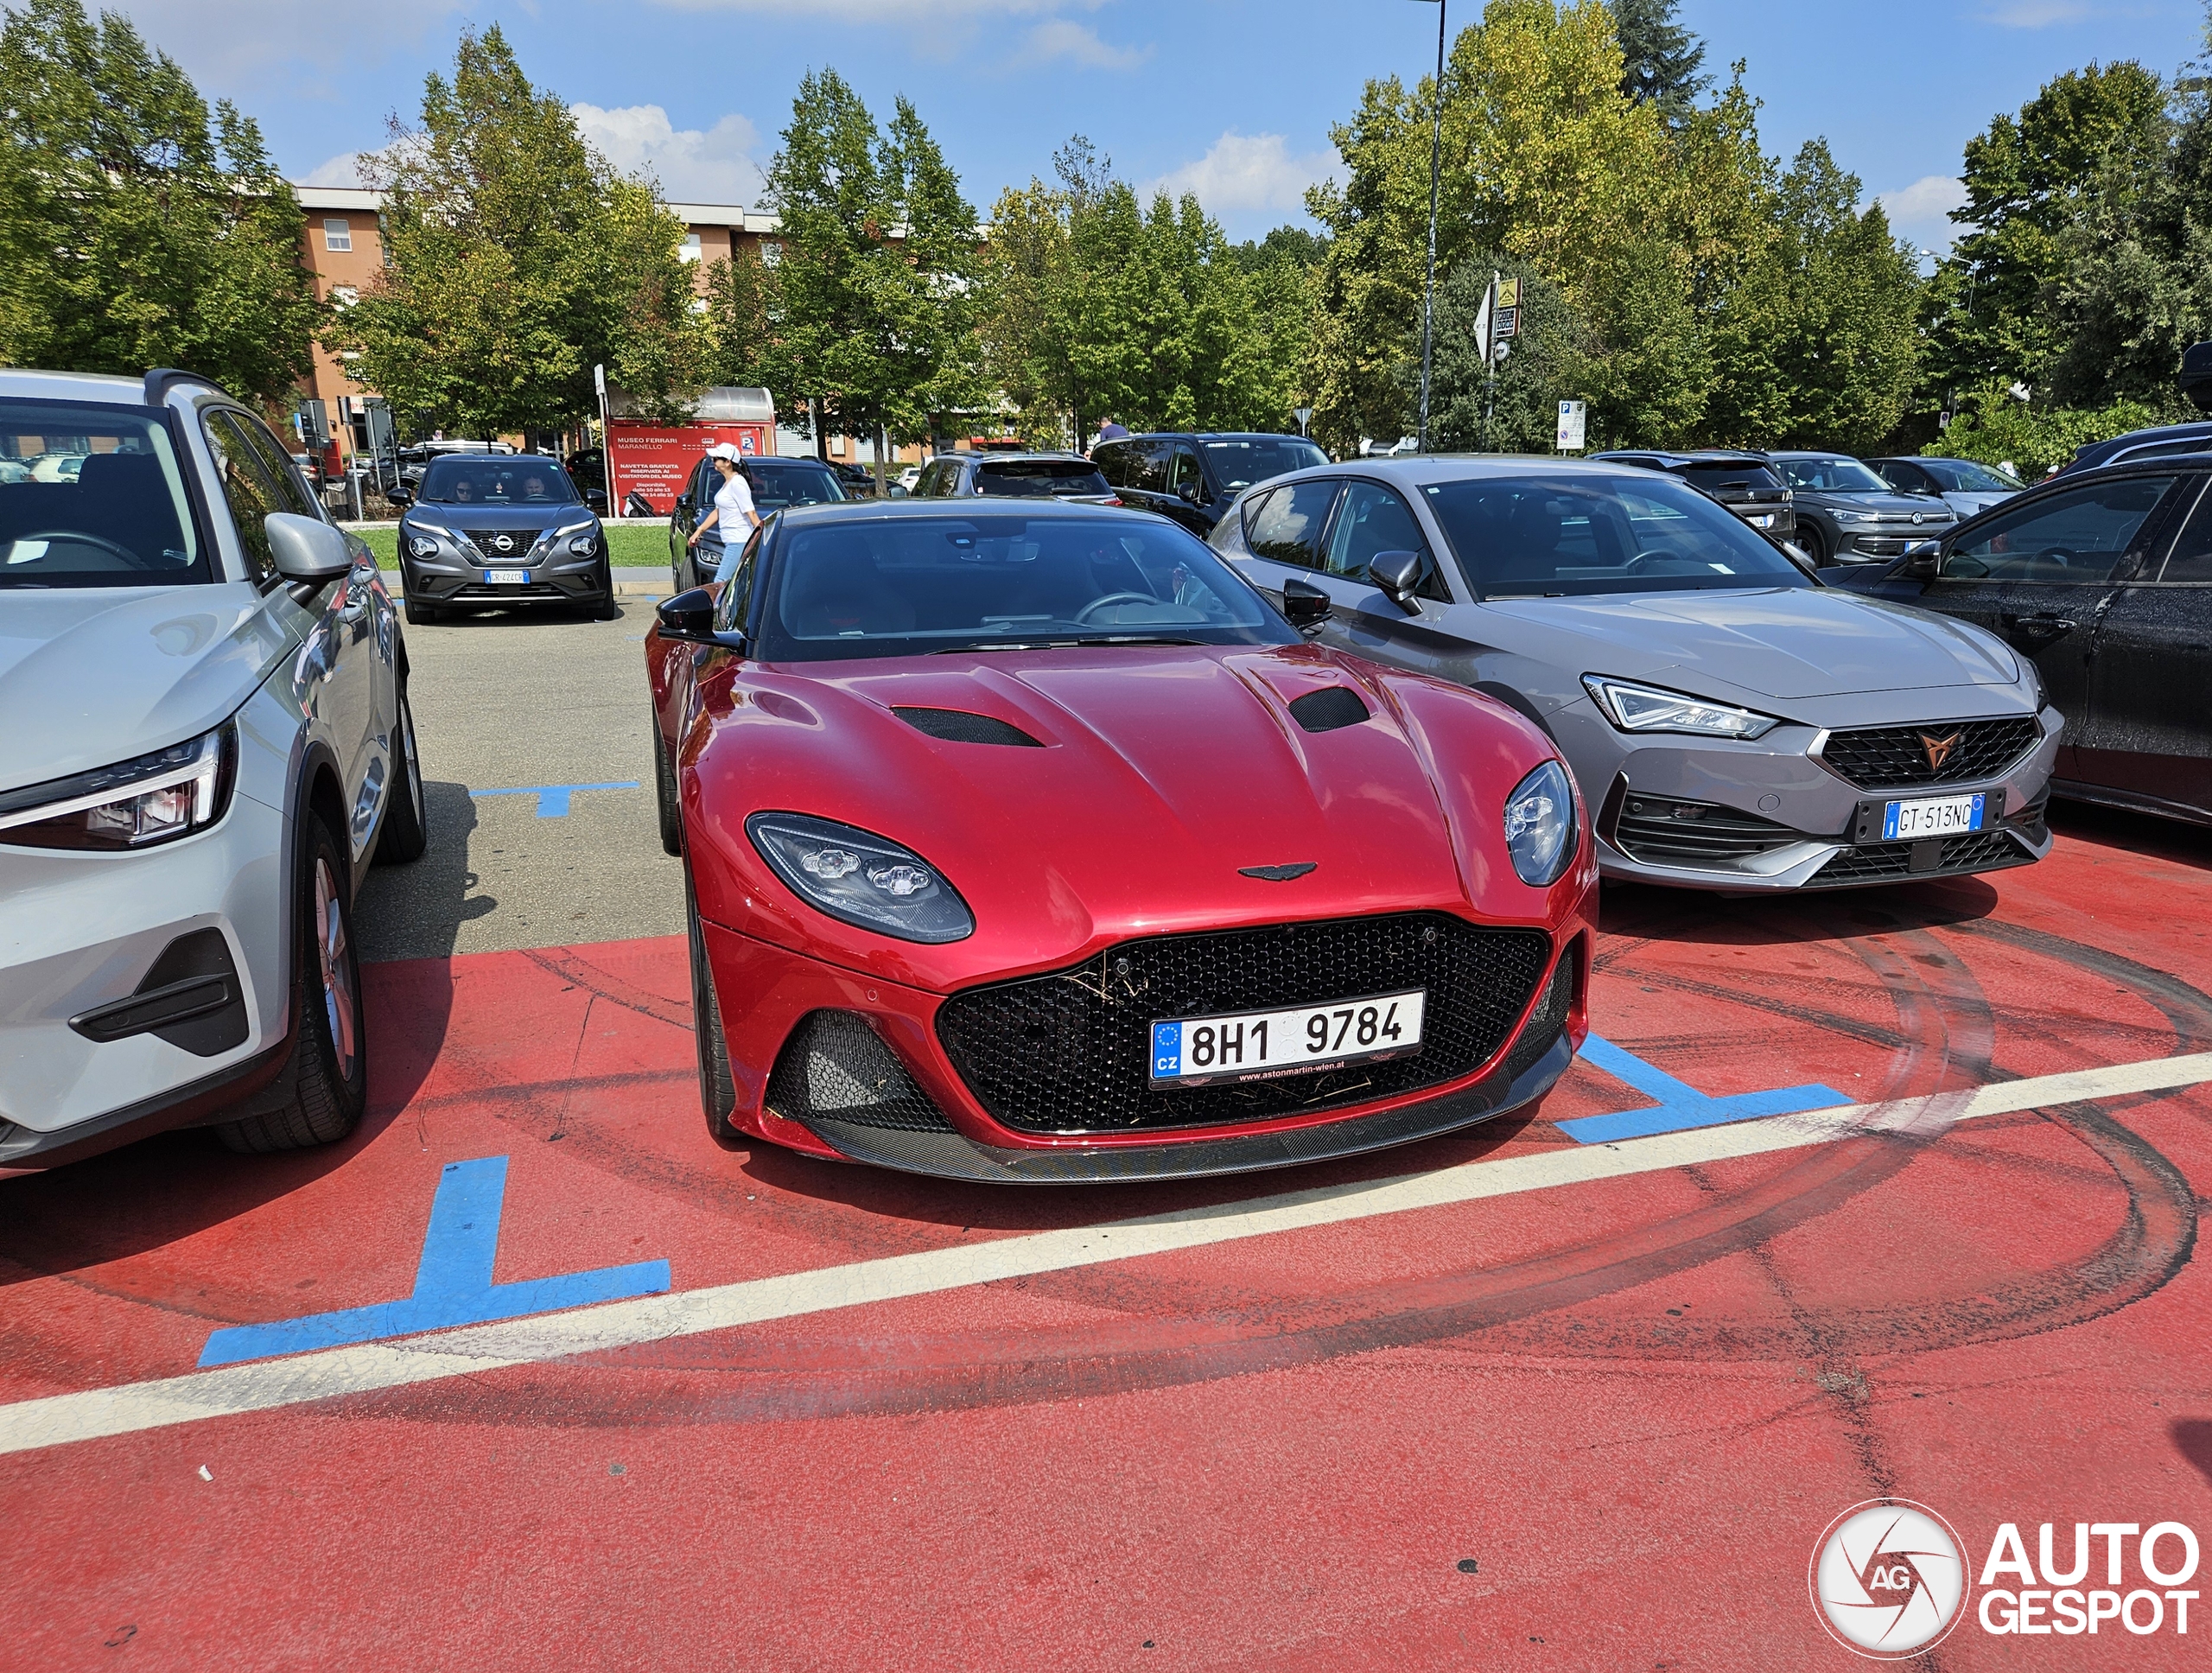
<point>1187,492</point>
<point>1923,566</point>
<point>896,491</point>
<point>688,616</point>
<point>1305,606</point>
<point>1398,574</point>
<point>398,495</point>
<point>305,550</point>
<point>596,499</point>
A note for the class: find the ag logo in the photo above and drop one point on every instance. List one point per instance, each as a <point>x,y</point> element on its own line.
<point>1888,1579</point>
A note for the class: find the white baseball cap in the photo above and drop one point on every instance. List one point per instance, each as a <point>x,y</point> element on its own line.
<point>723,450</point>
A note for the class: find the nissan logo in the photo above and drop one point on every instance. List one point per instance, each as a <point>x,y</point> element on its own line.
<point>506,543</point>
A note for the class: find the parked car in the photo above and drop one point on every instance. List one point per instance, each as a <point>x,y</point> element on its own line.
<point>1847,514</point>
<point>1733,724</point>
<point>1191,478</point>
<point>1000,866</point>
<point>776,484</point>
<point>909,476</point>
<point>1067,476</point>
<point>489,531</point>
<point>1965,484</point>
<point>2159,441</point>
<point>2104,579</point>
<point>1744,482</point>
<point>208,740</point>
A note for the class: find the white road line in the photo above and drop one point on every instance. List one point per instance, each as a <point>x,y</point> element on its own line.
<point>57,1419</point>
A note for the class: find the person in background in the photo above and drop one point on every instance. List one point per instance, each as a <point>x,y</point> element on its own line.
<point>1112,429</point>
<point>732,510</point>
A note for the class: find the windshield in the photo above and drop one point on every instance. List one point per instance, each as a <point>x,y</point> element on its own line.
<point>1722,477</point>
<point>1568,537</point>
<point>90,496</point>
<point>1039,479</point>
<point>1832,475</point>
<point>774,486</point>
<point>1964,476</point>
<point>907,586</point>
<point>487,480</point>
<point>1242,462</point>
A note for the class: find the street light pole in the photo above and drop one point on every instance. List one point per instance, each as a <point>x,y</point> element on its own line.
<point>1435,171</point>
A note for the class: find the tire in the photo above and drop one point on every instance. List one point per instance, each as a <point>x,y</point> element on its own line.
<point>420,615</point>
<point>665,792</point>
<point>608,609</point>
<point>318,1097</point>
<point>717,1086</point>
<point>406,825</point>
<point>1816,547</point>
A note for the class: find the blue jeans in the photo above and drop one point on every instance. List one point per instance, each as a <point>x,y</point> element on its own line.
<point>728,567</point>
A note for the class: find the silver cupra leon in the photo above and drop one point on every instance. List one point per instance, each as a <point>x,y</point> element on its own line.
<point>207,740</point>
<point>1734,724</point>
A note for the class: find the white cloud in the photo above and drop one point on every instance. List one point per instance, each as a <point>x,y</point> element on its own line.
<point>344,169</point>
<point>228,46</point>
<point>1077,43</point>
<point>1249,175</point>
<point>712,165</point>
<point>1920,212</point>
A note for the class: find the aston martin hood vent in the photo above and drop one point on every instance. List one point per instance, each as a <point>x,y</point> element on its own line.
<point>958,725</point>
<point>1327,709</point>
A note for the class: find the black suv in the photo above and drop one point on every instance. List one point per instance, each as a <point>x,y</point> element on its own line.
<point>1848,514</point>
<point>775,483</point>
<point>1743,481</point>
<point>1191,478</point>
<point>1013,476</point>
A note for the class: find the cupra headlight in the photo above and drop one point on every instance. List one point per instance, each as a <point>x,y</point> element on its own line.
<point>1647,708</point>
<point>860,878</point>
<point>135,803</point>
<point>1540,825</point>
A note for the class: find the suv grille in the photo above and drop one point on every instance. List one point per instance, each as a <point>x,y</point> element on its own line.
<point>521,542</point>
<point>1067,1051</point>
<point>1881,757</point>
<point>1661,832</point>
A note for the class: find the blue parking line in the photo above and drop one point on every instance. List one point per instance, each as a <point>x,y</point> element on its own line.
<point>553,799</point>
<point>453,1282</point>
<point>1681,1106</point>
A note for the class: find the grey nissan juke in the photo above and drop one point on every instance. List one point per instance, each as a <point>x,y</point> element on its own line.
<point>1734,724</point>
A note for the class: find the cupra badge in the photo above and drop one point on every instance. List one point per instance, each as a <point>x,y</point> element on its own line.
<point>1888,1579</point>
<point>1939,749</point>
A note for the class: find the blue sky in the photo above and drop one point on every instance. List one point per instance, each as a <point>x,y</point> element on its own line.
<point>1233,98</point>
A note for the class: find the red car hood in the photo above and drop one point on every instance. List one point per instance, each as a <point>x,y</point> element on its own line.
<point>1163,773</point>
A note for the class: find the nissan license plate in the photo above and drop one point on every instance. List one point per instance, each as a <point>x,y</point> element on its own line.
<point>1263,1045</point>
<point>506,577</point>
<point>1903,822</point>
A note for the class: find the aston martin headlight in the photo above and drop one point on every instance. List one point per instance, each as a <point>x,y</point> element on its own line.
<point>860,878</point>
<point>1648,708</point>
<point>1540,825</point>
<point>136,803</point>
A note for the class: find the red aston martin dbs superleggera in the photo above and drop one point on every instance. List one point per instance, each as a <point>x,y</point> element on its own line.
<point>1030,843</point>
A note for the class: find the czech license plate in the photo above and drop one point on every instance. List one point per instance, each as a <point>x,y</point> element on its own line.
<point>1903,822</point>
<point>506,577</point>
<point>1262,1045</point>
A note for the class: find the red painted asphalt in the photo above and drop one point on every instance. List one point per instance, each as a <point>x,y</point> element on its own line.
<point>1634,1403</point>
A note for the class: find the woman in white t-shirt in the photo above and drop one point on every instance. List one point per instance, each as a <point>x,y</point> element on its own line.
<point>732,510</point>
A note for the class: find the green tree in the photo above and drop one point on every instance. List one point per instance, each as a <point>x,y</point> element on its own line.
<point>516,260</point>
<point>874,316</point>
<point>134,233</point>
<point>1660,60</point>
<point>1549,363</point>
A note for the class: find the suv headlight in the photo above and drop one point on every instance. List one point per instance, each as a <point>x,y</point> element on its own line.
<point>422,545</point>
<point>583,545</point>
<point>136,803</point>
<point>1540,826</point>
<point>860,878</point>
<point>1856,517</point>
<point>1647,708</point>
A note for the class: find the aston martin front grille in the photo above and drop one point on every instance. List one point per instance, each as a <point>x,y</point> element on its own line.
<point>1067,1051</point>
<point>1939,752</point>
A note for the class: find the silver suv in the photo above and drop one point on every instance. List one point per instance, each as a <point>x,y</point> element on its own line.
<point>207,741</point>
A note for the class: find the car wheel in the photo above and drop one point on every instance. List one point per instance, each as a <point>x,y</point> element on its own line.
<point>1809,540</point>
<point>420,614</point>
<point>717,1086</point>
<point>608,609</point>
<point>671,807</point>
<point>318,1097</point>
<point>406,828</point>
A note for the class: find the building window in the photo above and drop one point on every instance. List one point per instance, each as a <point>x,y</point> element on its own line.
<point>691,251</point>
<point>338,235</point>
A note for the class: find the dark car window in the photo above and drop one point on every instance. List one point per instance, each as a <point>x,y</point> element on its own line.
<point>899,586</point>
<point>1905,478</point>
<point>283,471</point>
<point>1725,478</point>
<point>2191,560</point>
<point>1964,476</point>
<point>2164,449</point>
<point>92,496</point>
<point>1534,537</point>
<point>1185,471</point>
<point>496,480</point>
<point>2080,534</point>
<point>1239,461</point>
<point>777,483</point>
<point>1287,525</point>
<point>1834,475</point>
<point>731,607</point>
<point>1373,520</point>
<point>1039,479</point>
<point>1112,459</point>
<point>246,487</point>
<point>1148,468</point>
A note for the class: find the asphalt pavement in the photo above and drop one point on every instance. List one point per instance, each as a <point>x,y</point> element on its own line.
<point>535,736</point>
